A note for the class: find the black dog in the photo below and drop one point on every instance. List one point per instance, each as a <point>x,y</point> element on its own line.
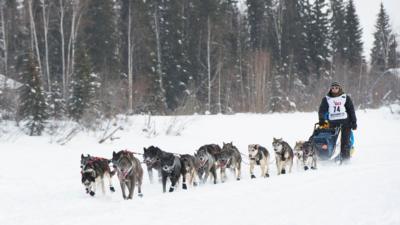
<point>171,166</point>
<point>152,157</point>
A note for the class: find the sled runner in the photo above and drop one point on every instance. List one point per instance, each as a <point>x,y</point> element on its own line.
<point>326,142</point>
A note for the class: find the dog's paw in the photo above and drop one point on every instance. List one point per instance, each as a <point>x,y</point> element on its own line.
<point>91,193</point>
<point>266,175</point>
<point>87,190</point>
<point>283,171</point>
<point>238,178</point>
<point>112,189</point>
<point>305,167</point>
<point>252,176</point>
<point>313,168</point>
<point>140,195</point>
<point>184,186</point>
<point>195,184</point>
<point>171,189</point>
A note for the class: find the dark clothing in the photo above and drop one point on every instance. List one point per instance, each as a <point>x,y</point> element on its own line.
<point>350,121</point>
<point>344,141</point>
<point>347,124</point>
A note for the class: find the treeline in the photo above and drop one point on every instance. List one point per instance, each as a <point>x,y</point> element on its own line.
<point>86,59</point>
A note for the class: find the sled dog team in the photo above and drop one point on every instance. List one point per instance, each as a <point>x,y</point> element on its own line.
<point>192,169</point>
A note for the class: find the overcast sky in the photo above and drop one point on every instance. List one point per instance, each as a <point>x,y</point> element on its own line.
<point>368,10</point>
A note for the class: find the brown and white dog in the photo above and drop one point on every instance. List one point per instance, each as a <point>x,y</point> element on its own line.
<point>259,155</point>
<point>94,171</point>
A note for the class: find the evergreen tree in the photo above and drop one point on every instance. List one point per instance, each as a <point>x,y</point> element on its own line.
<point>353,32</point>
<point>319,37</point>
<point>382,38</point>
<point>394,55</point>
<point>337,34</point>
<point>354,60</point>
<point>84,88</point>
<point>57,106</point>
<point>256,15</point>
<point>32,104</point>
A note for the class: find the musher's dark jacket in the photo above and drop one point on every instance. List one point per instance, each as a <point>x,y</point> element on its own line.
<point>350,121</point>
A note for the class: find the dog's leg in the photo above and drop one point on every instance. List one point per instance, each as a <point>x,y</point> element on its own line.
<point>278,166</point>
<point>223,175</point>
<point>150,172</point>
<point>206,174</point>
<point>184,186</point>
<point>159,175</point>
<point>252,162</point>
<point>266,166</point>
<point>290,164</point>
<point>173,183</point>
<point>112,189</point>
<point>122,184</point>
<point>103,188</point>
<point>140,188</point>
<point>131,187</point>
<point>262,167</point>
<point>314,162</point>
<point>239,170</point>
<point>214,173</point>
<point>164,183</point>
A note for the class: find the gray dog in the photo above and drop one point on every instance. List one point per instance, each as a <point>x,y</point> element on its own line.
<point>230,158</point>
<point>283,155</point>
<point>205,156</point>
<point>129,172</point>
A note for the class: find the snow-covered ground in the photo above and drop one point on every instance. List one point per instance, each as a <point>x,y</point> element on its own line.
<point>40,182</point>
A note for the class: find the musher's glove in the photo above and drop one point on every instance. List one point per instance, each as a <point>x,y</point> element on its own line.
<point>322,122</point>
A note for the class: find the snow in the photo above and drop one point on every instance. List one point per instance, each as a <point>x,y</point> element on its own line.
<point>8,83</point>
<point>40,182</point>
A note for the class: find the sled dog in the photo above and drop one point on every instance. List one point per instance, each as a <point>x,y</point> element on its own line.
<point>205,156</point>
<point>129,171</point>
<point>190,164</point>
<point>94,171</point>
<point>171,167</point>
<point>259,155</point>
<point>152,157</point>
<point>305,154</point>
<point>283,155</point>
<point>230,158</point>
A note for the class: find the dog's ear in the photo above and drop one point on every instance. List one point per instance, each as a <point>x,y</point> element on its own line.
<point>82,156</point>
<point>114,154</point>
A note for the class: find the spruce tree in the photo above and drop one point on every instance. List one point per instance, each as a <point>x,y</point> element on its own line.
<point>394,55</point>
<point>319,37</point>
<point>32,103</point>
<point>353,32</point>
<point>354,59</point>
<point>84,88</point>
<point>382,38</point>
<point>337,34</point>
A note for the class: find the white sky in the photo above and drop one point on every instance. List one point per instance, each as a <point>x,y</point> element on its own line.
<point>368,10</point>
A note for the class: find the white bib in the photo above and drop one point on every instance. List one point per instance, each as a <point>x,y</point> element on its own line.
<point>337,111</point>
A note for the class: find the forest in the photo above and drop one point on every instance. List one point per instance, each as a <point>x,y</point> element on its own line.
<point>90,59</point>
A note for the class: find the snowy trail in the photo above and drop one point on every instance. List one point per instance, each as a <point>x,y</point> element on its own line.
<point>40,182</point>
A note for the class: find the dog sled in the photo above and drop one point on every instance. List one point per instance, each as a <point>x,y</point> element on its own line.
<point>326,142</point>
